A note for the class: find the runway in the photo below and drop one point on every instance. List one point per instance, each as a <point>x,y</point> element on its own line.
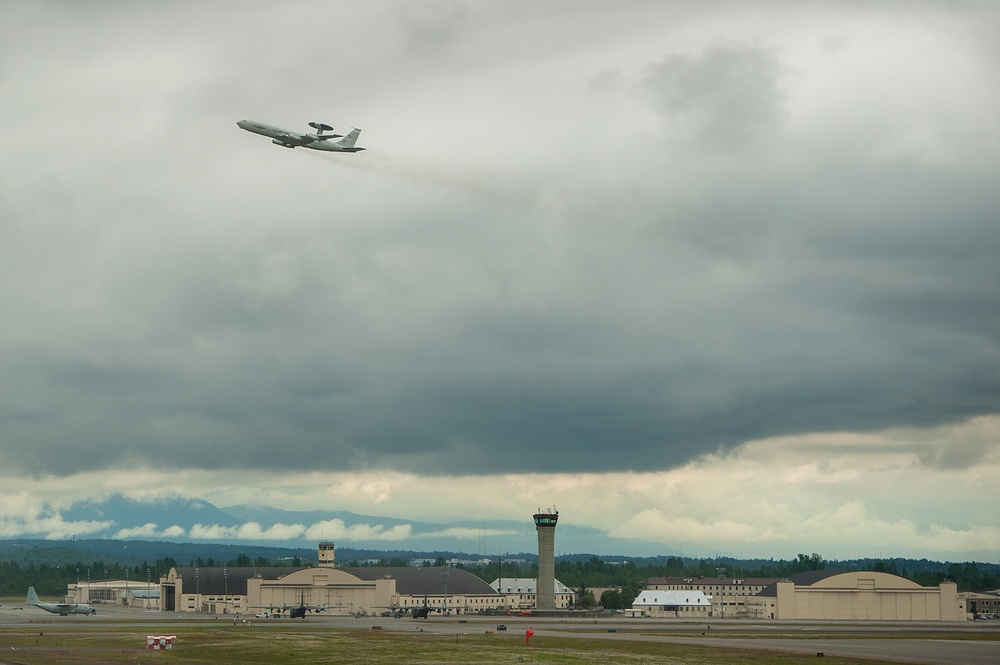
<point>926,643</point>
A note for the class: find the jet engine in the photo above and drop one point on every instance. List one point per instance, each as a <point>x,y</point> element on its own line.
<point>281,143</point>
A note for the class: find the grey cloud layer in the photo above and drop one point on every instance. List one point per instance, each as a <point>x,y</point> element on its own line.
<point>713,270</point>
<point>727,96</point>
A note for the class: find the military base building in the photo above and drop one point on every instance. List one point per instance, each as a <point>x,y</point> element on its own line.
<point>811,596</point>
<point>362,590</point>
<point>127,593</point>
<point>729,595</point>
<point>678,604</point>
<point>821,595</point>
<point>521,593</point>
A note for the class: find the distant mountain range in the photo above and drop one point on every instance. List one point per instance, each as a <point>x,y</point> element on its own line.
<point>178,519</point>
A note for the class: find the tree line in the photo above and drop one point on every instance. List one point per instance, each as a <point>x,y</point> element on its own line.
<point>51,579</point>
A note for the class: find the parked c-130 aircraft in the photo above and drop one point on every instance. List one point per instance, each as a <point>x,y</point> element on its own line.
<point>58,608</point>
<point>318,141</point>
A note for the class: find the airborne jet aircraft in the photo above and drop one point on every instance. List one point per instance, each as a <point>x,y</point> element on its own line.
<point>318,141</point>
<point>58,608</point>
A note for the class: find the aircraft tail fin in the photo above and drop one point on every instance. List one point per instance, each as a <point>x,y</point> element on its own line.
<point>347,143</point>
<point>32,596</point>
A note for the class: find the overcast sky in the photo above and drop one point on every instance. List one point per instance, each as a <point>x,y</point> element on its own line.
<point>716,272</point>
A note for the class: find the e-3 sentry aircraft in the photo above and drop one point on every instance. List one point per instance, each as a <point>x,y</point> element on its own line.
<point>58,608</point>
<point>318,141</point>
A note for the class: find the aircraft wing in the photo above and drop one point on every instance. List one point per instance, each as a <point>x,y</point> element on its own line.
<point>274,607</point>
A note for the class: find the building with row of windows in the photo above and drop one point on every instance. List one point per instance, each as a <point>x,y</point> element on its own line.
<point>728,595</point>
<point>126,593</point>
<point>521,593</point>
<point>981,605</point>
<point>680,604</point>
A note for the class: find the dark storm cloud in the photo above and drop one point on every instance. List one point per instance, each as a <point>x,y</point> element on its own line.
<point>625,300</point>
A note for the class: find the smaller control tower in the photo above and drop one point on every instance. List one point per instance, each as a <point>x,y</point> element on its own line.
<point>545,525</point>
<point>327,555</point>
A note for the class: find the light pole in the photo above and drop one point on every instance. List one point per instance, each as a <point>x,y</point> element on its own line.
<point>197,586</point>
<point>225,578</point>
<point>500,578</point>
<point>722,596</point>
<point>445,576</point>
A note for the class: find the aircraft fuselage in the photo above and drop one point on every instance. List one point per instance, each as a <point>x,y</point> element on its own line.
<point>58,608</point>
<point>65,609</point>
<point>289,139</point>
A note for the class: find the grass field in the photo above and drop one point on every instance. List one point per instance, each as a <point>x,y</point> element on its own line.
<point>305,645</point>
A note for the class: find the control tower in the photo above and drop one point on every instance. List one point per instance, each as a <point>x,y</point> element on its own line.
<point>327,555</point>
<point>545,525</point>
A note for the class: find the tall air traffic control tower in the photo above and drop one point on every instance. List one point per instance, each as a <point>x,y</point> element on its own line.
<point>545,525</point>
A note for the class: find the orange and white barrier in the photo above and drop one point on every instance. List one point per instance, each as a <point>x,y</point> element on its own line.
<point>160,641</point>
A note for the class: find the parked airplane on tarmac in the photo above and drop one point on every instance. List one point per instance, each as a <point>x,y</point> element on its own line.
<point>318,141</point>
<point>58,608</point>
<point>294,611</point>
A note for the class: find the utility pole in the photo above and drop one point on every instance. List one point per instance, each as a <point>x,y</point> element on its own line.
<point>125,600</point>
<point>445,575</point>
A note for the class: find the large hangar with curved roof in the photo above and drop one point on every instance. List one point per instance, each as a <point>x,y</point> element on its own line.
<point>247,590</point>
<point>824,595</point>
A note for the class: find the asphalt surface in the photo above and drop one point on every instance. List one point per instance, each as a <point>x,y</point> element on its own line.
<point>971,643</point>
